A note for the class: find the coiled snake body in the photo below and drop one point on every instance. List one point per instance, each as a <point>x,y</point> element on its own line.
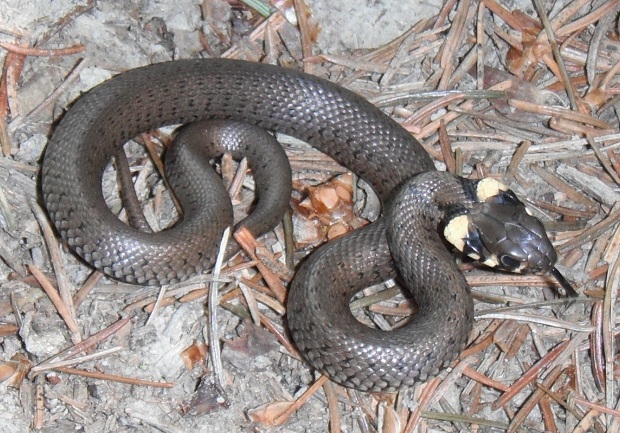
<point>404,243</point>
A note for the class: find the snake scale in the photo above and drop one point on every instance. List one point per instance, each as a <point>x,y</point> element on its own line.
<point>404,243</point>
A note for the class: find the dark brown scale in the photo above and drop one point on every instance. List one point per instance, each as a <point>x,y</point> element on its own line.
<point>336,121</point>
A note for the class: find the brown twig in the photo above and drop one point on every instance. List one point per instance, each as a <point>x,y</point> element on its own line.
<point>31,51</point>
<point>530,375</point>
<point>280,419</point>
<point>533,400</point>
<point>249,245</point>
<point>84,344</point>
<point>114,378</point>
<point>61,306</point>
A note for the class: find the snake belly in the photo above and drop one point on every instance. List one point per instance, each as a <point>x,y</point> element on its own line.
<point>334,120</point>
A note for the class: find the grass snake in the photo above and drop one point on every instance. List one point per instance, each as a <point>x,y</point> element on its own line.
<point>421,206</point>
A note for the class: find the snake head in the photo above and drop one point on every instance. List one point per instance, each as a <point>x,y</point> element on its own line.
<point>498,230</point>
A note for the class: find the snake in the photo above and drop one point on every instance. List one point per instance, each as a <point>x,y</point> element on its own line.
<point>425,212</point>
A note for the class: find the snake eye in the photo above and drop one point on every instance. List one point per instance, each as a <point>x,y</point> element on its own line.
<point>509,262</point>
<point>506,197</point>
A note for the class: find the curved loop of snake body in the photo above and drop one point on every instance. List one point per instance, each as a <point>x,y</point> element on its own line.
<point>403,243</point>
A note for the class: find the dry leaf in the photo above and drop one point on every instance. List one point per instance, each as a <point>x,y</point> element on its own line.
<point>13,372</point>
<point>194,354</point>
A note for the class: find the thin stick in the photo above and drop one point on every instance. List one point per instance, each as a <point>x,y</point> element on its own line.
<point>213,332</point>
<point>114,378</point>
<point>77,360</point>
<point>609,319</point>
<point>51,292</point>
<point>280,419</point>
<point>541,320</point>
<point>304,32</point>
<point>84,344</point>
<point>570,91</point>
<point>29,51</point>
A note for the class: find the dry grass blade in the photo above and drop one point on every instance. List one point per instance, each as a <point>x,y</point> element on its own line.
<point>560,112</point>
<point>427,394</point>
<point>88,285</point>
<point>75,360</point>
<point>332,404</point>
<point>593,232</point>
<point>486,381</point>
<point>466,419</point>
<point>453,42</point>
<point>570,91</point>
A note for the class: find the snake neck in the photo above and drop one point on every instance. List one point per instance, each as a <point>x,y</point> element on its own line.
<point>424,263</point>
